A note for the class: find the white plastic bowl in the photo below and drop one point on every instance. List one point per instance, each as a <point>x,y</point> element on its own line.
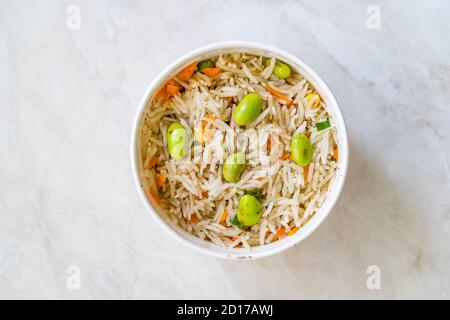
<point>333,108</point>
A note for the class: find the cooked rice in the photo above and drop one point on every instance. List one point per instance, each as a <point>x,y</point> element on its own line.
<point>194,184</point>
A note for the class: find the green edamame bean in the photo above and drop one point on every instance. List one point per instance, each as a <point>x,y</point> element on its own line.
<point>208,63</point>
<point>301,150</point>
<point>248,109</point>
<point>249,210</point>
<point>280,70</point>
<point>233,167</point>
<point>177,140</point>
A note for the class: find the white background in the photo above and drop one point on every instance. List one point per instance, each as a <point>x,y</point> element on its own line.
<point>68,97</point>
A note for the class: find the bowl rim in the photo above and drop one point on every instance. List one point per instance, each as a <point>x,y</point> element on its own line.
<point>332,197</point>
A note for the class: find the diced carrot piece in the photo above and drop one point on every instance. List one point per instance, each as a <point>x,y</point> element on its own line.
<point>286,156</point>
<point>194,218</point>
<point>168,90</point>
<point>205,194</point>
<point>154,196</point>
<point>223,217</point>
<point>305,173</point>
<point>212,117</point>
<point>172,90</point>
<point>161,93</point>
<point>212,72</point>
<point>269,145</point>
<point>238,245</point>
<point>161,180</point>
<point>293,231</point>
<point>152,163</point>
<point>280,233</point>
<point>279,95</point>
<point>187,72</point>
<point>335,153</point>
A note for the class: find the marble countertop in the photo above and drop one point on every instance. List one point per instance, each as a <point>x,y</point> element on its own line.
<point>72,75</point>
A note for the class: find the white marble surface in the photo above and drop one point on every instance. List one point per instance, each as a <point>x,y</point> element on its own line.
<point>68,97</point>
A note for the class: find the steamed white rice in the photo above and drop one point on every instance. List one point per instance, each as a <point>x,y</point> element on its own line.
<point>194,185</point>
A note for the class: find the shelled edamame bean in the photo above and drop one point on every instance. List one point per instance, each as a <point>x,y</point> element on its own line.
<point>301,150</point>
<point>248,109</point>
<point>249,210</point>
<point>233,167</point>
<point>177,140</point>
<point>281,70</point>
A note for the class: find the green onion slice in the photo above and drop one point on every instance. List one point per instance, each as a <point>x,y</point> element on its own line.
<point>237,223</point>
<point>323,125</point>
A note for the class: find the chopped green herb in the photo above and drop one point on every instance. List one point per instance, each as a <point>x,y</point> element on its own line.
<point>323,125</point>
<point>254,192</point>
<point>208,63</point>
<point>237,223</point>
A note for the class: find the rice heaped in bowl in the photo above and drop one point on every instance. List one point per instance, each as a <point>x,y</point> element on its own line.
<point>192,192</point>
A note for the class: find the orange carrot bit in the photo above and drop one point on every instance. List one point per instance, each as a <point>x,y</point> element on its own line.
<point>187,72</point>
<point>205,194</point>
<point>335,153</point>
<point>279,233</point>
<point>223,217</point>
<point>269,145</point>
<point>230,100</point>
<point>172,89</point>
<point>161,180</point>
<point>238,245</point>
<point>161,93</point>
<point>194,218</point>
<point>212,117</point>
<point>279,95</point>
<point>285,156</point>
<point>212,72</point>
<point>152,163</point>
<point>153,195</point>
<point>305,173</point>
<point>293,231</point>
